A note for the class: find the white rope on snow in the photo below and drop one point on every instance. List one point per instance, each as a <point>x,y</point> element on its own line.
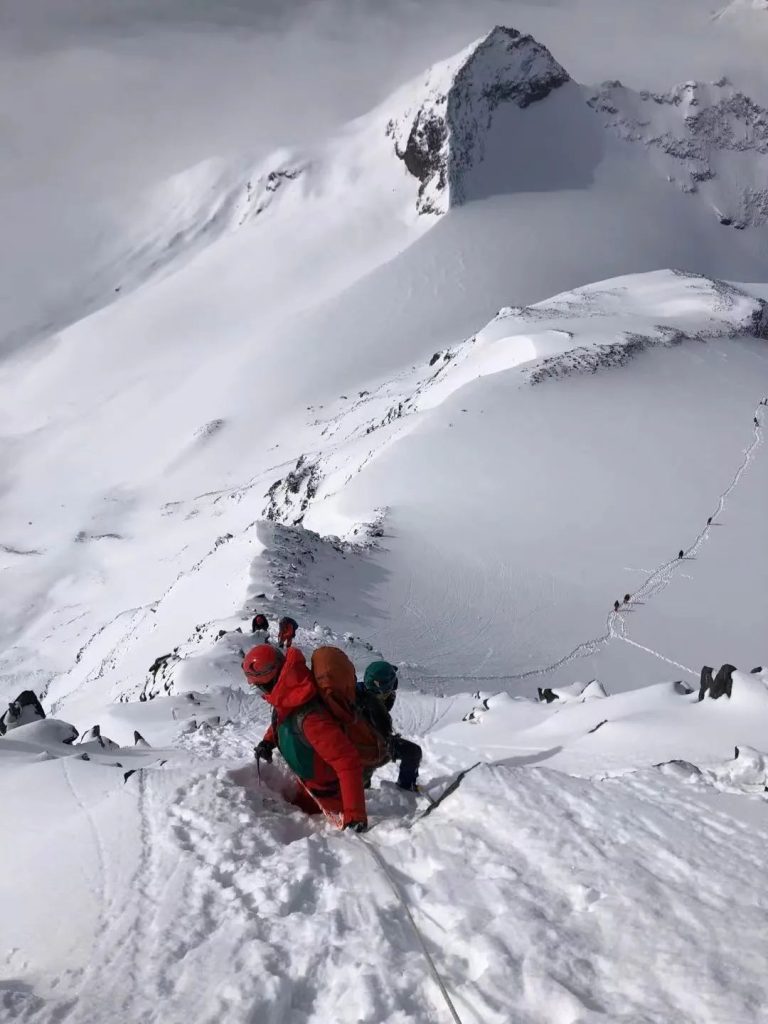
<point>417,932</point>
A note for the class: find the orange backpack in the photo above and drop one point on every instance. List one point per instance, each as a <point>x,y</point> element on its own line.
<point>337,682</point>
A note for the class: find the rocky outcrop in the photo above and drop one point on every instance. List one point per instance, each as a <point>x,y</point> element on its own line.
<point>707,138</point>
<point>575,693</point>
<point>719,686</point>
<point>261,192</point>
<point>444,136</point>
<point>290,496</point>
<point>22,711</point>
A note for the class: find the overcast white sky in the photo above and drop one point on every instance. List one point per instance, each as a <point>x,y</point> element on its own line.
<point>101,99</point>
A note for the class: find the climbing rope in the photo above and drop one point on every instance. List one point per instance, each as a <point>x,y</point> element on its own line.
<point>417,932</point>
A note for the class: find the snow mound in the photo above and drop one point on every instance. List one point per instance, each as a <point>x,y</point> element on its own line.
<point>654,726</point>
<point>746,773</point>
<point>579,692</point>
<point>93,739</point>
<point>49,732</point>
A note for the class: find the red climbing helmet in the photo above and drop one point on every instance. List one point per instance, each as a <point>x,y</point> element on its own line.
<point>262,666</point>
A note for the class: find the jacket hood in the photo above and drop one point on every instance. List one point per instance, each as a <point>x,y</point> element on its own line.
<point>295,685</point>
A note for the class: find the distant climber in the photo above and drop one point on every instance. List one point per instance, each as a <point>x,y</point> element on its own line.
<point>615,606</point>
<point>325,762</point>
<point>681,553</point>
<point>286,631</point>
<point>627,598</point>
<point>376,697</point>
<point>709,521</point>
<point>260,624</point>
<point>756,421</point>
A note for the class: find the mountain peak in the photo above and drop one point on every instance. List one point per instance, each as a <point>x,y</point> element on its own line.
<point>442,137</point>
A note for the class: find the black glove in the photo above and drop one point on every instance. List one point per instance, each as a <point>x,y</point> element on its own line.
<point>263,751</point>
<point>356,826</point>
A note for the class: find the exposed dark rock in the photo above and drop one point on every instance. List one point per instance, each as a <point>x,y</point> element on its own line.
<point>158,676</point>
<point>25,709</point>
<point>289,497</point>
<point>547,695</point>
<point>599,724</point>
<point>682,688</point>
<point>710,120</point>
<point>94,735</point>
<point>720,686</point>
<point>422,154</point>
<point>446,136</point>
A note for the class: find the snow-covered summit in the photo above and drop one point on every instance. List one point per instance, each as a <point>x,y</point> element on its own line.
<point>503,116</point>
<point>442,138</point>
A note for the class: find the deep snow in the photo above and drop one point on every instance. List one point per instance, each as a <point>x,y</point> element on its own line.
<point>593,885</point>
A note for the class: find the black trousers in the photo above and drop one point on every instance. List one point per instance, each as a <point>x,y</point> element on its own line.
<point>409,756</point>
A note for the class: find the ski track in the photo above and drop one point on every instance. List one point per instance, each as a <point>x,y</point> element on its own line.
<point>657,581</point>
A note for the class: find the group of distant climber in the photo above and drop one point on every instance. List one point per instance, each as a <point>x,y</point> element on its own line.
<point>681,553</point>
<point>331,730</point>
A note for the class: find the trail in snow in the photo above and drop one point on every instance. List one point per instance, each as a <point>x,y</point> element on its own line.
<point>233,910</point>
<point>662,577</point>
<point>657,581</point>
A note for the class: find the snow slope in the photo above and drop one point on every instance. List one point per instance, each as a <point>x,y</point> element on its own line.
<point>149,422</point>
<point>292,405</point>
<point>593,884</point>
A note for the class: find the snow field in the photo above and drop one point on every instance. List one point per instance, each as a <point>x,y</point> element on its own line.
<point>540,896</point>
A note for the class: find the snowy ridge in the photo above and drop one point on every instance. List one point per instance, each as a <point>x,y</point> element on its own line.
<point>500,117</point>
<point>579,331</point>
<point>598,326</point>
<point>196,207</point>
<point>457,130</point>
<point>706,138</point>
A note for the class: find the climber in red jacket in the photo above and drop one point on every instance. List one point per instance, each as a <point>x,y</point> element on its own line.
<point>308,736</point>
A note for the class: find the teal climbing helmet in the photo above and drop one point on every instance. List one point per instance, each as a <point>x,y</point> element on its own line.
<point>380,677</point>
